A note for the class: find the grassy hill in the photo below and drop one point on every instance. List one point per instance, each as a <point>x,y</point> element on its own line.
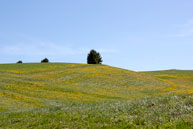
<point>50,88</point>
<point>179,81</point>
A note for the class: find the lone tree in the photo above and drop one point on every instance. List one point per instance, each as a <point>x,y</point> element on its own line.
<point>19,62</point>
<point>45,60</point>
<point>94,57</point>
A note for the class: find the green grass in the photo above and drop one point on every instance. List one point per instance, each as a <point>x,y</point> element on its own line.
<point>52,95</point>
<point>161,112</point>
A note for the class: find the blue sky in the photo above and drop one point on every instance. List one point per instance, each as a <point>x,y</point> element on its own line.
<point>133,34</point>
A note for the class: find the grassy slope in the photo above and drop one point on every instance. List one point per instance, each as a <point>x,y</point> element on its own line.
<point>30,87</point>
<point>179,81</point>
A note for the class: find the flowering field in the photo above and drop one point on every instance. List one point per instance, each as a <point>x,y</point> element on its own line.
<point>44,87</point>
<point>179,81</point>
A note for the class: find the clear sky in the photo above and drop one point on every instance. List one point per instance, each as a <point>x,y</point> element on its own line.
<point>133,34</point>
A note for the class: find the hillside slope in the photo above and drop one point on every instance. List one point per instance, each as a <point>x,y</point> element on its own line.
<point>179,81</point>
<point>34,85</point>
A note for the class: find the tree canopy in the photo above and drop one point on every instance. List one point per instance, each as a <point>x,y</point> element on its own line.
<point>94,57</point>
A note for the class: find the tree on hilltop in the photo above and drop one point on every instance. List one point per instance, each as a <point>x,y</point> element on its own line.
<point>94,57</point>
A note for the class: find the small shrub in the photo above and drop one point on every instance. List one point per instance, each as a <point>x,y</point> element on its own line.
<point>45,60</point>
<point>19,62</point>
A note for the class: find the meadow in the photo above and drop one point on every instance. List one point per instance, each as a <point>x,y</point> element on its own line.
<point>64,95</point>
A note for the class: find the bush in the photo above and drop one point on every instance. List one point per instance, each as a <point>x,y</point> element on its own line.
<point>45,60</point>
<point>94,57</point>
<point>19,62</point>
